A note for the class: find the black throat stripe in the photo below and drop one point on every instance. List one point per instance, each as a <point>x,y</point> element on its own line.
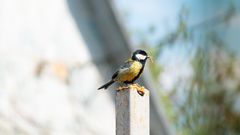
<point>135,78</point>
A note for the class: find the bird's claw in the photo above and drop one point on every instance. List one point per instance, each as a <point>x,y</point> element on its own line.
<point>140,89</point>
<point>122,88</point>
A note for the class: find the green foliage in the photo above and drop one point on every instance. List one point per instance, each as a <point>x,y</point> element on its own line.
<point>211,95</point>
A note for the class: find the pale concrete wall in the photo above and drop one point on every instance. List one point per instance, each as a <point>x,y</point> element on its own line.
<point>48,79</point>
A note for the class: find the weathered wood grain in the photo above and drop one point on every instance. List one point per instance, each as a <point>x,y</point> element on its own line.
<point>132,113</point>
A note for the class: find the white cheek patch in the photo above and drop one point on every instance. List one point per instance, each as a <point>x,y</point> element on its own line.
<point>141,57</point>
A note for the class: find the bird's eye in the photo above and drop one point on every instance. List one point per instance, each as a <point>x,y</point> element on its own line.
<point>141,57</point>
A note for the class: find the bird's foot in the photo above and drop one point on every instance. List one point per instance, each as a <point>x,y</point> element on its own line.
<point>140,89</point>
<point>122,88</point>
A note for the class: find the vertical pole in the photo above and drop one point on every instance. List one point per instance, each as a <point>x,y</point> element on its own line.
<point>132,113</point>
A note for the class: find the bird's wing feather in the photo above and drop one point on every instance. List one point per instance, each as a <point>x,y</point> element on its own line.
<point>115,75</point>
<point>123,68</point>
<point>126,65</point>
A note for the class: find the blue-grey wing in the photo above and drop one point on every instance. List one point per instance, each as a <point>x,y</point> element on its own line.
<point>123,68</point>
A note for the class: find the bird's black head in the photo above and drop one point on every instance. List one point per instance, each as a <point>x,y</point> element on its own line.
<point>140,55</point>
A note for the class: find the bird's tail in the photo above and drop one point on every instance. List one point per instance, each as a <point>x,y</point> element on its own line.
<point>105,86</point>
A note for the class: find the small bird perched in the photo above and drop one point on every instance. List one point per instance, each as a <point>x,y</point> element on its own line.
<point>130,71</point>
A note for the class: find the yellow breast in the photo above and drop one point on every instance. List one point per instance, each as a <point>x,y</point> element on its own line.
<point>131,73</point>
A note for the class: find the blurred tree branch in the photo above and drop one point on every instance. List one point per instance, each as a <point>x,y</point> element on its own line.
<point>212,94</point>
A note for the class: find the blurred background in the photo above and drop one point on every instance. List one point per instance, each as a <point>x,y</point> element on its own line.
<point>55,54</point>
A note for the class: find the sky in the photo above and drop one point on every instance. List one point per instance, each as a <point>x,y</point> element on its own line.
<point>138,16</point>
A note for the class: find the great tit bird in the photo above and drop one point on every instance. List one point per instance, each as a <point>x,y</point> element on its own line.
<point>130,71</point>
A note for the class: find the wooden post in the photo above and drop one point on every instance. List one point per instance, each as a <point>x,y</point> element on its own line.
<point>132,113</point>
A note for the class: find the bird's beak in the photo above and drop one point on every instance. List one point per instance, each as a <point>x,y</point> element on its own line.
<point>150,58</point>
